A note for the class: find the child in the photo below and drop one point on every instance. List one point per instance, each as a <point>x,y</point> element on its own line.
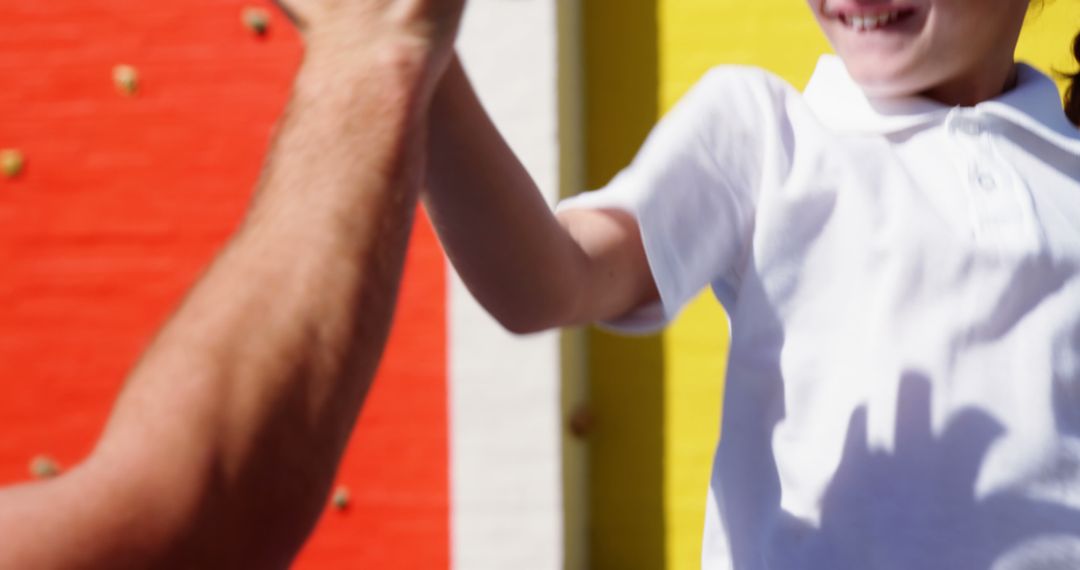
<point>899,253</point>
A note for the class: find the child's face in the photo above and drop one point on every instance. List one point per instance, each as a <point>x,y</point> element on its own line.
<point>941,48</point>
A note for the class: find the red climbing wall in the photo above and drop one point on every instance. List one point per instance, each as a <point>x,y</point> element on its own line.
<point>124,200</point>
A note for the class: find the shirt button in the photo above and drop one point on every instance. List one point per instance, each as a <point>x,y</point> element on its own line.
<point>985,180</point>
<point>980,176</point>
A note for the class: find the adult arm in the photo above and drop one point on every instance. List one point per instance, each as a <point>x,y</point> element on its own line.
<point>222,446</point>
<point>530,269</point>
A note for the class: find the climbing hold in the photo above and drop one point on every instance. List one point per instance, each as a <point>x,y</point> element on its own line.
<point>126,79</point>
<point>341,498</point>
<point>257,20</point>
<point>581,422</point>
<point>11,162</point>
<point>44,467</point>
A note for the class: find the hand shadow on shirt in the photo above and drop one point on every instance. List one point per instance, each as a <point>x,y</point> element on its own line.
<point>927,513</point>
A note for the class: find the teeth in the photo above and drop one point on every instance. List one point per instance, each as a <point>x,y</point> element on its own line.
<point>870,22</point>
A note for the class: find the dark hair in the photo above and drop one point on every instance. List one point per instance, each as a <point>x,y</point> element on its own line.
<point>1072,95</point>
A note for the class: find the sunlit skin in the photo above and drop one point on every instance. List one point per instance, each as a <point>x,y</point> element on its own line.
<point>958,52</point>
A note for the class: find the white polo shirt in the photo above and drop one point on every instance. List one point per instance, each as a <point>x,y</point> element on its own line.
<point>903,283</point>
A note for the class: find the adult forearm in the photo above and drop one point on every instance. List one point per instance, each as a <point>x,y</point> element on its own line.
<point>498,231</point>
<point>242,406</point>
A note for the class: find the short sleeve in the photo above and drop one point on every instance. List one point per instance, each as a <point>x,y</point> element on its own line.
<point>693,189</point>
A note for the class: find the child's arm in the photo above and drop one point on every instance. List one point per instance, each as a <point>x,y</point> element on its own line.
<point>530,269</point>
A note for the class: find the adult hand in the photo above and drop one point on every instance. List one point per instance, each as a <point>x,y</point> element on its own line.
<point>351,27</point>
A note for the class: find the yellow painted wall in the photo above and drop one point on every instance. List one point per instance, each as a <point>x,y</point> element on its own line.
<point>1047,37</point>
<point>641,56</point>
<point>625,474</point>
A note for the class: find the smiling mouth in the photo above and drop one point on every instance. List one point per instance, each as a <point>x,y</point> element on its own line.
<point>871,21</point>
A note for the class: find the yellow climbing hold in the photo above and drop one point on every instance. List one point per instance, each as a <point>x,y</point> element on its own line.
<point>11,162</point>
<point>126,78</point>
<point>341,498</point>
<point>257,20</point>
<point>44,467</point>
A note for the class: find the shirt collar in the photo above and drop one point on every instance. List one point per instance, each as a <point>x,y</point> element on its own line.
<point>840,104</point>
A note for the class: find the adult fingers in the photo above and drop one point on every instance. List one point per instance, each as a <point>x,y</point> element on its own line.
<point>291,13</point>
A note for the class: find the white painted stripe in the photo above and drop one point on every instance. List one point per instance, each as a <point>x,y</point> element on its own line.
<point>505,452</point>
